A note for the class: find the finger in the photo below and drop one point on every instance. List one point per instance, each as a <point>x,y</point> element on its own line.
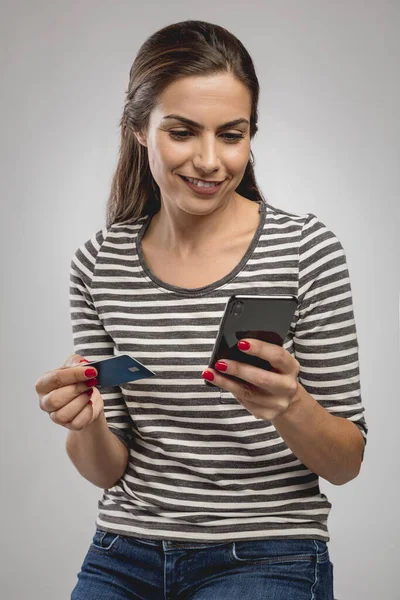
<point>226,383</point>
<point>70,412</point>
<point>88,413</point>
<point>57,399</point>
<point>82,420</point>
<point>280,359</point>
<point>245,393</point>
<point>275,384</point>
<point>74,360</point>
<point>62,377</point>
<point>251,397</point>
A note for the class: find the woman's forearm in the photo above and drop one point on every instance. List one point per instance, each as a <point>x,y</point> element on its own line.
<point>98,454</point>
<point>329,446</point>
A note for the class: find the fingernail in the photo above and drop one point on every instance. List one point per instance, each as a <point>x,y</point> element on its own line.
<point>89,393</point>
<point>90,402</point>
<point>208,375</point>
<point>220,365</point>
<point>91,382</point>
<point>243,345</point>
<point>83,361</point>
<point>90,373</point>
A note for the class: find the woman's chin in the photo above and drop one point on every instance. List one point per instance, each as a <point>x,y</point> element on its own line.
<point>202,206</point>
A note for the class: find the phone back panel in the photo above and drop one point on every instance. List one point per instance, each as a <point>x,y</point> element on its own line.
<point>265,318</point>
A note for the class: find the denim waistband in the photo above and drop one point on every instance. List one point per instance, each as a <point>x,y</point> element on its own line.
<point>189,545</point>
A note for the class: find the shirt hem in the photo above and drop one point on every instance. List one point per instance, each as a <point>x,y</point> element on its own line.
<point>178,536</point>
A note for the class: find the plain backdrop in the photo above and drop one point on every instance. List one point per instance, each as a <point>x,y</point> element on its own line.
<point>328,143</point>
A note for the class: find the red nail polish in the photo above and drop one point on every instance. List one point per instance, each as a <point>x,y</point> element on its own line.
<point>89,392</point>
<point>84,360</point>
<point>90,402</point>
<point>220,365</point>
<point>243,345</point>
<point>91,382</point>
<point>208,375</point>
<point>90,373</point>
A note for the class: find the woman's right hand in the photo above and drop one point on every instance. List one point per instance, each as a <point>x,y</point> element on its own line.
<point>68,396</point>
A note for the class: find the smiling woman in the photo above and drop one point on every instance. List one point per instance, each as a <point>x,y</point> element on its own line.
<point>207,150</point>
<point>209,492</point>
<point>204,68</point>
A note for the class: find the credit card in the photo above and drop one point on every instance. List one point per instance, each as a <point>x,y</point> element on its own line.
<point>119,369</point>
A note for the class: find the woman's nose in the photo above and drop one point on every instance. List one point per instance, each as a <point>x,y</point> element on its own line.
<point>206,157</point>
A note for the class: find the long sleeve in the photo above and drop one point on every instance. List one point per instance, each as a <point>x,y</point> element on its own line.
<point>325,340</point>
<point>89,336</point>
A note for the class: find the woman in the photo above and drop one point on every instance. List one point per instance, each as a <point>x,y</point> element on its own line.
<point>209,492</point>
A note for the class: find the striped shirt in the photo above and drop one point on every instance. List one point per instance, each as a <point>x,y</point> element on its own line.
<point>201,467</point>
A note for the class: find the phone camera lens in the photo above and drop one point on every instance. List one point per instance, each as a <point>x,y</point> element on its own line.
<point>237,308</point>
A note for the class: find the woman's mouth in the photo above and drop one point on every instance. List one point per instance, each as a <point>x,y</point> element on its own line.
<point>201,187</point>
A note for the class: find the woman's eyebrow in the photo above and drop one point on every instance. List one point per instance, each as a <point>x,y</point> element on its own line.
<point>194,124</point>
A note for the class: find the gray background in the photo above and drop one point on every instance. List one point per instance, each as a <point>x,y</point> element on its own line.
<point>328,143</point>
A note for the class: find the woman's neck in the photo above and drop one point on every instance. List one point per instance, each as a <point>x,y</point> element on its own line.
<point>185,234</point>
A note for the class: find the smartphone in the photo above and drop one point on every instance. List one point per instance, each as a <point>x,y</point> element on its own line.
<point>119,369</point>
<point>265,318</point>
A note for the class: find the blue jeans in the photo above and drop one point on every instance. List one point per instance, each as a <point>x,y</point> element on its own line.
<point>125,568</point>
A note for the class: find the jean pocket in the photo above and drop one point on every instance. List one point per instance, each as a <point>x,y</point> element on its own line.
<point>104,541</point>
<point>275,551</point>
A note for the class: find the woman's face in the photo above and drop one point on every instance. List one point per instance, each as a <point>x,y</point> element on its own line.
<point>207,148</point>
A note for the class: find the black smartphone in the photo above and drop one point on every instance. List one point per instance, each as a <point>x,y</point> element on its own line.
<point>265,318</point>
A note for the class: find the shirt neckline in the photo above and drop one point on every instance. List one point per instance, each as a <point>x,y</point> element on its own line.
<point>201,291</point>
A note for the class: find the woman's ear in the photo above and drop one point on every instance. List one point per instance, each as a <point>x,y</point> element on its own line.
<point>141,137</point>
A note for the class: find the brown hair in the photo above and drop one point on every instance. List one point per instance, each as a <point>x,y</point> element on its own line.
<point>178,50</point>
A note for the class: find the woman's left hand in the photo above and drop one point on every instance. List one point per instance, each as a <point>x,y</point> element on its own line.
<point>265,394</point>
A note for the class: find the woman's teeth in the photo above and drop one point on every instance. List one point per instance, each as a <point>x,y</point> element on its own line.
<point>201,183</point>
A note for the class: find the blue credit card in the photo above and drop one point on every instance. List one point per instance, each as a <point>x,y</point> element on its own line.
<point>119,369</point>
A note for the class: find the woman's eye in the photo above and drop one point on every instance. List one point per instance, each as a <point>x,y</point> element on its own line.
<point>233,136</point>
<point>230,137</point>
<point>180,134</point>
